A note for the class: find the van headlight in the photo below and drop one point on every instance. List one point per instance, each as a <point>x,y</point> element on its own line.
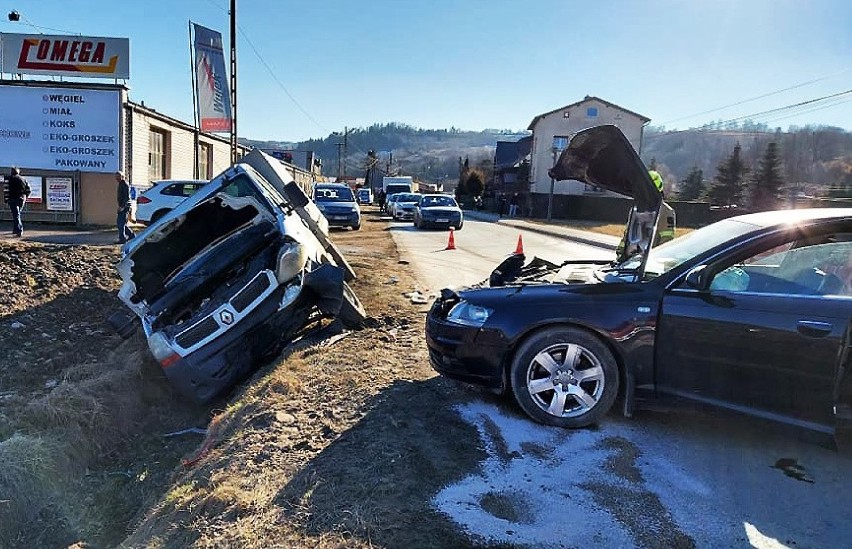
<point>291,260</point>
<point>468,314</point>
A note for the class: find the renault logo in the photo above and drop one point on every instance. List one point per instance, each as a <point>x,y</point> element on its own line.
<point>226,317</point>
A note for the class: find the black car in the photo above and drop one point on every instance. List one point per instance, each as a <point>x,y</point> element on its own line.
<point>752,313</point>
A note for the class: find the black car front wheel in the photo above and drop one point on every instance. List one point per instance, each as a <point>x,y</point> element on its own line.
<point>564,377</point>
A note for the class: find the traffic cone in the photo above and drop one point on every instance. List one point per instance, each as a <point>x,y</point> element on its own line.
<point>451,242</point>
<point>519,249</point>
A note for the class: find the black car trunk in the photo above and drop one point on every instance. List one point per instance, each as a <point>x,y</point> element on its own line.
<point>200,256</point>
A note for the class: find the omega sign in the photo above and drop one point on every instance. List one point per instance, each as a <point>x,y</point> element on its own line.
<point>85,56</point>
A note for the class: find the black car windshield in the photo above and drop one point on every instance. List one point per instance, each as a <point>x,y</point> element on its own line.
<point>430,201</point>
<point>406,197</point>
<point>667,256</point>
<point>333,194</point>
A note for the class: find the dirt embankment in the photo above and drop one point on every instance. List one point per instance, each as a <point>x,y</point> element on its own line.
<point>340,442</point>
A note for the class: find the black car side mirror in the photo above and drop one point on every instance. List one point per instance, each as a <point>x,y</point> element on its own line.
<point>295,196</point>
<point>697,278</point>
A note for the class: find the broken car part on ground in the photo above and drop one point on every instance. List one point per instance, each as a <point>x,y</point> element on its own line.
<point>227,277</point>
<point>753,313</point>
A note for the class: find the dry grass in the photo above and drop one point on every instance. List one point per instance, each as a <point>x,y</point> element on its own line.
<point>328,447</point>
<point>600,227</point>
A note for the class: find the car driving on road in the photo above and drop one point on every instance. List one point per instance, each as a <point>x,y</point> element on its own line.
<point>438,210</point>
<point>753,313</point>
<point>403,206</point>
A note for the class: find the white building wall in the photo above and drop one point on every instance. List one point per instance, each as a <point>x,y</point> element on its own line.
<point>180,154</point>
<point>567,122</point>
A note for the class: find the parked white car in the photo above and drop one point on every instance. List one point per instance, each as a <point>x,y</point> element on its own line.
<point>163,197</point>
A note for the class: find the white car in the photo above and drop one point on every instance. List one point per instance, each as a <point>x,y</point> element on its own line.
<point>163,196</point>
<point>403,207</point>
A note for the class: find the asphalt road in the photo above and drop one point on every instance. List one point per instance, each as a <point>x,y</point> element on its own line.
<point>480,247</point>
<point>678,476</point>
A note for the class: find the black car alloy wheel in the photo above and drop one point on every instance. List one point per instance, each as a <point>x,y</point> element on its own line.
<point>564,377</point>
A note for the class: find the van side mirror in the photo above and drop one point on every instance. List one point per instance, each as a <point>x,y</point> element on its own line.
<point>295,196</point>
<point>697,278</point>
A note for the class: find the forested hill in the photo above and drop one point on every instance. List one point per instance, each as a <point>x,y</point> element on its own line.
<point>812,157</point>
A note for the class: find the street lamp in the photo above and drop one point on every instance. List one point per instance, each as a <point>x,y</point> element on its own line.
<point>554,150</point>
<point>14,16</point>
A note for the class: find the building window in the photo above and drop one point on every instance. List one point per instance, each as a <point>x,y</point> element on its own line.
<point>205,161</point>
<point>592,112</point>
<point>566,114</point>
<point>560,142</point>
<point>158,141</point>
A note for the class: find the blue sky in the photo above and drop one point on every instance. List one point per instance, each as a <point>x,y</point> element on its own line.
<point>477,64</point>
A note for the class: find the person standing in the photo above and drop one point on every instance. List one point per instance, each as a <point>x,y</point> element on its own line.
<point>513,205</point>
<point>18,191</point>
<point>125,233</point>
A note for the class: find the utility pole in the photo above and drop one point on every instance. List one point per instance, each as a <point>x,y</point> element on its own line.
<point>339,173</point>
<point>345,145</point>
<point>233,14</point>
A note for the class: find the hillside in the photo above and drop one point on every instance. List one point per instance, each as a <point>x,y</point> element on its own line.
<point>816,159</point>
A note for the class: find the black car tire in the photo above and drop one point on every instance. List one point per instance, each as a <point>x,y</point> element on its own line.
<point>352,313</point>
<point>460,226</point>
<point>356,227</point>
<point>592,359</point>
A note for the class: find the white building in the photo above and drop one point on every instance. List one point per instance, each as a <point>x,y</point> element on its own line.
<point>552,131</point>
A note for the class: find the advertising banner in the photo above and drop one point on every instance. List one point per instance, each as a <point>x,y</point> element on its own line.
<point>35,188</point>
<point>59,128</point>
<point>211,81</point>
<point>59,194</point>
<point>84,56</point>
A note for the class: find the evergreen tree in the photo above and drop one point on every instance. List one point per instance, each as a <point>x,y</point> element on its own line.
<point>767,180</point>
<point>692,187</point>
<point>727,189</point>
<point>475,183</point>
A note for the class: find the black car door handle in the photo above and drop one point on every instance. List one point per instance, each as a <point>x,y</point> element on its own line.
<point>812,328</point>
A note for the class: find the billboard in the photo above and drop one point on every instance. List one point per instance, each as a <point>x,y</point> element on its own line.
<point>211,81</point>
<point>64,129</point>
<point>85,56</point>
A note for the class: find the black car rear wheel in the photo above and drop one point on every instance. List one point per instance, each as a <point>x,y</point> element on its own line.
<point>564,377</point>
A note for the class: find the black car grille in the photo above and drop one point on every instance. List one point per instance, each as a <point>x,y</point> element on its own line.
<point>247,295</point>
<point>197,333</point>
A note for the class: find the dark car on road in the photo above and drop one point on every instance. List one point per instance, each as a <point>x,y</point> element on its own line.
<point>338,204</point>
<point>752,313</point>
<point>438,210</point>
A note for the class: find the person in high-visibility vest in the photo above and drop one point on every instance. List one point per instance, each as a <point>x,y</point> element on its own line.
<point>665,228</point>
<point>666,221</point>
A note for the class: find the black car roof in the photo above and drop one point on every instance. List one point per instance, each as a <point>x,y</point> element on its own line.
<point>784,217</point>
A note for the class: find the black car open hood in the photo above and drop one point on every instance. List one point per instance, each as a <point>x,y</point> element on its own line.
<point>602,156</point>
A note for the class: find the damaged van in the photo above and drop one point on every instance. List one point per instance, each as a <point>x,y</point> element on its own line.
<point>229,276</point>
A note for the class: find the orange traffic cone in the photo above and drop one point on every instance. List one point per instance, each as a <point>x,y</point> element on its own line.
<point>451,243</point>
<point>519,250</point>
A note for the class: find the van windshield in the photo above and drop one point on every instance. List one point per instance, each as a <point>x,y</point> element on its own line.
<point>333,194</point>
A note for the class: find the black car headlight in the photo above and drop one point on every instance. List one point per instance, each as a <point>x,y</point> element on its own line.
<point>468,314</point>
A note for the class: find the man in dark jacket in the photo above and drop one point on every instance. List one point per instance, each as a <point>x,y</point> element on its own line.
<point>17,193</point>
<point>125,233</point>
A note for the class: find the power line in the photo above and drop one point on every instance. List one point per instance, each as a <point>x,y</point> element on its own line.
<point>795,107</point>
<point>776,92</point>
